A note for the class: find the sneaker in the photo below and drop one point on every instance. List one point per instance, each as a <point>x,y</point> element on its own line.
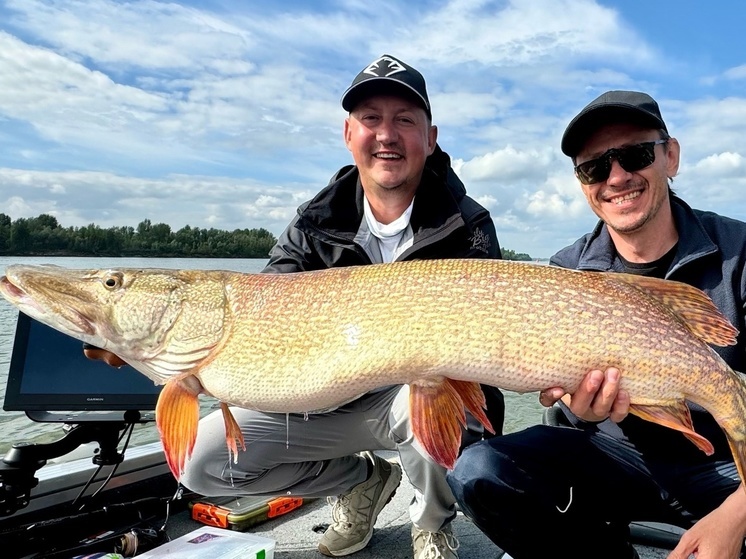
<point>434,545</point>
<point>355,513</point>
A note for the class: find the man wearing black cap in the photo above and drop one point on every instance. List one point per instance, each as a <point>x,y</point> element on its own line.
<point>571,488</point>
<point>400,201</point>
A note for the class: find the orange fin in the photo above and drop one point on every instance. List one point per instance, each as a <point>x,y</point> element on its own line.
<point>676,417</point>
<point>473,399</point>
<point>692,305</point>
<point>738,448</point>
<point>438,417</point>
<point>233,434</point>
<point>177,416</point>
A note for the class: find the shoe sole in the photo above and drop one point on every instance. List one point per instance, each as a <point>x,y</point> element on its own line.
<point>394,480</point>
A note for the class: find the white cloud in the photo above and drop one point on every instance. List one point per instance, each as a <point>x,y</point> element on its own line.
<point>111,200</point>
<point>735,73</point>
<point>721,165</point>
<point>227,114</point>
<point>508,164</point>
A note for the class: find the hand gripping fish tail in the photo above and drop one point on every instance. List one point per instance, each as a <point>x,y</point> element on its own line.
<point>295,343</point>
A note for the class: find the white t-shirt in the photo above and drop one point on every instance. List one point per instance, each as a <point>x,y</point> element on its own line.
<point>384,242</point>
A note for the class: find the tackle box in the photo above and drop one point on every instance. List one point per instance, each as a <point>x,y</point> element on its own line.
<point>240,513</point>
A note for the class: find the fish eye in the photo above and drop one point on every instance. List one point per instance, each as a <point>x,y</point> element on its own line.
<point>113,280</point>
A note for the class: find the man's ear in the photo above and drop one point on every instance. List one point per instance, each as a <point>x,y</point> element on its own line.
<point>673,156</point>
<point>432,138</point>
<point>346,132</point>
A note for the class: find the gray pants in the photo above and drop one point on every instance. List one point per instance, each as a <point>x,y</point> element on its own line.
<point>315,456</point>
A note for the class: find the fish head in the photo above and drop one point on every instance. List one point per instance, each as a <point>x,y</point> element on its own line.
<point>137,314</point>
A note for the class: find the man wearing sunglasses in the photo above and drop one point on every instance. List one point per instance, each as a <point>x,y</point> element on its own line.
<point>571,487</point>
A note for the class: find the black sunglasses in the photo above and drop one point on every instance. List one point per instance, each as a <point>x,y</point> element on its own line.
<point>631,158</point>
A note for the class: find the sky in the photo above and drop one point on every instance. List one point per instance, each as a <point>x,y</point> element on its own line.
<point>226,114</point>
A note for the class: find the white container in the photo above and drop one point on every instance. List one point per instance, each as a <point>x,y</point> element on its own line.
<point>214,543</point>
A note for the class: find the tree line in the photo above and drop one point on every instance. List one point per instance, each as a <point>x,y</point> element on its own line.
<point>44,236</point>
<point>513,255</point>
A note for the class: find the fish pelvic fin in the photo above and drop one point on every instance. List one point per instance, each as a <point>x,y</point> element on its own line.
<point>693,306</point>
<point>177,417</point>
<point>437,412</point>
<point>233,435</point>
<point>675,416</point>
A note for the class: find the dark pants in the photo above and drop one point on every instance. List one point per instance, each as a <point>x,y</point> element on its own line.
<point>563,492</point>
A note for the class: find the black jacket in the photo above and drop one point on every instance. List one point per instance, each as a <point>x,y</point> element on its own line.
<point>445,221</point>
<point>711,255</point>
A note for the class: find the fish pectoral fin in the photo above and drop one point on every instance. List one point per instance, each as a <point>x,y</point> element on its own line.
<point>675,416</point>
<point>436,409</point>
<point>233,434</point>
<point>177,417</point>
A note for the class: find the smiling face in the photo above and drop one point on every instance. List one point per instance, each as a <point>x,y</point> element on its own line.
<point>631,202</point>
<point>390,138</point>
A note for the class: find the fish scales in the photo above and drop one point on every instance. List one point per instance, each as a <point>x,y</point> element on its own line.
<point>314,340</point>
<point>442,323</point>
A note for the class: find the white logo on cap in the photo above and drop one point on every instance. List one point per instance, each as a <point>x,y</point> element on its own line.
<point>384,67</point>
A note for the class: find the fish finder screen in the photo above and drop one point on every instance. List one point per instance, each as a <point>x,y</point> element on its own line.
<point>48,371</point>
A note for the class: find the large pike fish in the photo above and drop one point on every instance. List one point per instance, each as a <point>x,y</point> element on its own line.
<point>311,341</point>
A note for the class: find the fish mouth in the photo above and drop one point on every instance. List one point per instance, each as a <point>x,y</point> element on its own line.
<point>10,290</point>
<point>75,321</point>
<point>17,295</point>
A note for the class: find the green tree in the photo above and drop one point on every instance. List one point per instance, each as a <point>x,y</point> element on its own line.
<point>20,236</point>
<point>45,221</point>
<point>5,225</point>
<point>43,235</point>
<point>509,254</point>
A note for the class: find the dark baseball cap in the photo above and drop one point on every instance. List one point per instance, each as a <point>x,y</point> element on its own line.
<point>387,75</point>
<point>611,107</point>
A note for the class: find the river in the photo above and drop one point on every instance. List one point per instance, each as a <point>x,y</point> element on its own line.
<point>15,427</point>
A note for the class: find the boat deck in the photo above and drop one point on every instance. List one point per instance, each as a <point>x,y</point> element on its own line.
<point>297,533</point>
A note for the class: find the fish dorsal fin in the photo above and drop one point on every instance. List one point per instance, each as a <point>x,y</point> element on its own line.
<point>693,306</point>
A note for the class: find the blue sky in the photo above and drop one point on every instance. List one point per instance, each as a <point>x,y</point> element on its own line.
<point>226,114</point>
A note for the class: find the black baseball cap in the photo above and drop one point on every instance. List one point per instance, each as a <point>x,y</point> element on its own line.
<point>387,75</point>
<point>613,106</point>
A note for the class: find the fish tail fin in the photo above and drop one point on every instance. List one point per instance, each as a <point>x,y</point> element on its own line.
<point>438,416</point>
<point>675,416</point>
<point>177,417</point>
<point>729,412</point>
<point>233,434</point>
<point>738,448</point>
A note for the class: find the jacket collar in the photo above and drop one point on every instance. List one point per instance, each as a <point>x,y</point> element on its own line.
<point>338,208</point>
<point>599,252</point>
